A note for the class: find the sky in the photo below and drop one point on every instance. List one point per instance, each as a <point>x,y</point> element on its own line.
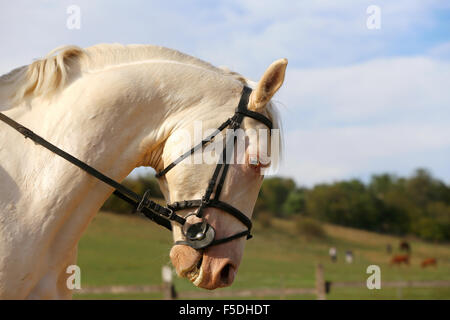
<point>366,92</point>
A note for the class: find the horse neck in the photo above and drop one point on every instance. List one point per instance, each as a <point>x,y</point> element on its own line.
<point>46,202</point>
<point>105,120</point>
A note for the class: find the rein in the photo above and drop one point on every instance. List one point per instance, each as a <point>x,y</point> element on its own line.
<point>199,235</point>
<point>151,209</point>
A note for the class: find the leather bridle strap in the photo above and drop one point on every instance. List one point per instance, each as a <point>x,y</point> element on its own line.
<point>218,178</point>
<point>255,115</point>
<point>152,210</point>
<point>241,109</point>
<point>216,242</point>
<point>192,150</point>
<point>187,204</point>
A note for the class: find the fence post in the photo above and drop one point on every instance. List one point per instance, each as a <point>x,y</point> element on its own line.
<point>168,288</point>
<point>320,283</point>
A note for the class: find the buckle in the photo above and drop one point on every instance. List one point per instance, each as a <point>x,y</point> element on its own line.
<point>198,235</point>
<point>234,124</point>
<point>205,201</point>
<point>172,214</point>
<point>144,201</point>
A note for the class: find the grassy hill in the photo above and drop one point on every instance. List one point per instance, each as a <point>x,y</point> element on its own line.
<point>128,250</point>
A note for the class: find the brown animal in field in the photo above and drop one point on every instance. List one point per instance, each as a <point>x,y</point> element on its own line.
<point>399,259</point>
<point>429,262</point>
<point>405,246</point>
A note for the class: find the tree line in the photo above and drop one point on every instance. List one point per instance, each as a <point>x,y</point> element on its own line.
<point>417,205</point>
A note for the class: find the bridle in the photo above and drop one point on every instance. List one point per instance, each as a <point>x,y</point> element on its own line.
<point>199,235</point>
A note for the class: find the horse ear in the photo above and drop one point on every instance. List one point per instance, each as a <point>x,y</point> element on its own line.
<point>268,85</point>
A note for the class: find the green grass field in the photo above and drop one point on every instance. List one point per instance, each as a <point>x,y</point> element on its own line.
<point>128,250</point>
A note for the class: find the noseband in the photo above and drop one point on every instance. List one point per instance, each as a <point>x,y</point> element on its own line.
<point>199,235</point>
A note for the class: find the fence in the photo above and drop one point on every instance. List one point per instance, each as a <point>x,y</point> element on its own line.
<point>322,288</point>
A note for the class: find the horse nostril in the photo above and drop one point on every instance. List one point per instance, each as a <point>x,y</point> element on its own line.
<point>227,274</point>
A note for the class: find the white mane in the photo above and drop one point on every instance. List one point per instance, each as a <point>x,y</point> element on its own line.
<point>46,76</point>
<point>41,78</point>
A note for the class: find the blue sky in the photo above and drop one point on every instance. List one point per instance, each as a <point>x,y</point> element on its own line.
<point>355,102</point>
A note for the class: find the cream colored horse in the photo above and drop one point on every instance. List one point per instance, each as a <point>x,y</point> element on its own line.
<point>117,108</point>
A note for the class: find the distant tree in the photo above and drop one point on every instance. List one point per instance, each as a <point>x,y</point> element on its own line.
<point>429,229</point>
<point>418,205</point>
<point>345,203</point>
<point>422,188</point>
<point>395,212</point>
<point>381,184</point>
<point>295,202</point>
<point>148,182</point>
<point>115,204</point>
<point>273,194</point>
<point>435,223</point>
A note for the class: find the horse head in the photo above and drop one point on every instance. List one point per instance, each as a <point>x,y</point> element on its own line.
<point>216,266</point>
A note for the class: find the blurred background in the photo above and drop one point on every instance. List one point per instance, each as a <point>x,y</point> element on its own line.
<point>365,178</point>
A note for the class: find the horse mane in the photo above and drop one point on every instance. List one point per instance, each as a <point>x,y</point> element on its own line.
<point>44,77</point>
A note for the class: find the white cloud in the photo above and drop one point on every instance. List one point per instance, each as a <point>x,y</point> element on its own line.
<point>441,51</point>
<point>370,117</point>
<point>397,89</point>
<point>344,88</point>
<point>245,35</point>
<point>327,154</point>
<point>311,33</point>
